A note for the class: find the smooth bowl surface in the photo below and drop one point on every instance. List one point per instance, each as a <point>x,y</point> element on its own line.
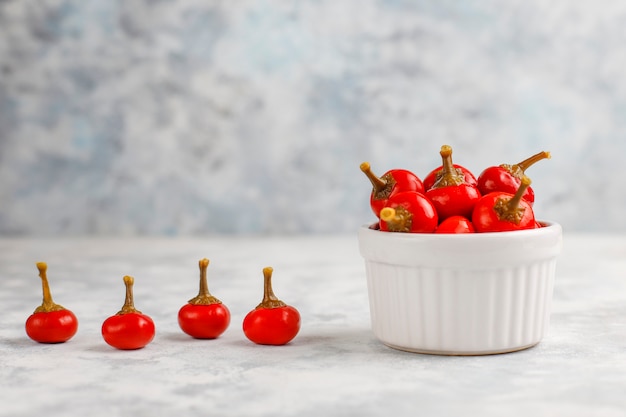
<point>464,294</point>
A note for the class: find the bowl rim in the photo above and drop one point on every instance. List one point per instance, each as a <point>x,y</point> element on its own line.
<point>467,250</point>
<point>546,226</point>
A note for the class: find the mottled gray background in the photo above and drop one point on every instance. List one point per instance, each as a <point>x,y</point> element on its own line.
<point>195,116</point>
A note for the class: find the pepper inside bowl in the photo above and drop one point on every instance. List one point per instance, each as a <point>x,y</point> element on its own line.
<point>461,294</point>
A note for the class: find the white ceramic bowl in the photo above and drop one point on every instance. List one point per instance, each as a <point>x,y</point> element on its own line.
<point>461,294</point>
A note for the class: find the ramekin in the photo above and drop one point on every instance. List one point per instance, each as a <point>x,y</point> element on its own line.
<point>461,294</point>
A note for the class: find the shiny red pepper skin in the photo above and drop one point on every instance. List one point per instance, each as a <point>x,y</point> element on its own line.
<point>502,212</point>
<point>52,327</point>
<point>454,200</point>
<point>392,182</point>
<point>455,225</point>
<point>498,179</point>
<point>204,321</point>
<point>272,326</point>
<point>507,178</point>
<point>409,212</point>
<point>128,331</point>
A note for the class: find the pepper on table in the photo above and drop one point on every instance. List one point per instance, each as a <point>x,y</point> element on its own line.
<point>50,322</point>
<point>129,329</point>
<point>204,316</point>
<point>272,322</point>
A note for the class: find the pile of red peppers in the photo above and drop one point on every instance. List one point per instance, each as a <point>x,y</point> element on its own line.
<point>450,199</point>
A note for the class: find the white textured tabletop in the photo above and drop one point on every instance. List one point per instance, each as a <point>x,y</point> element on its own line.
<point>334,366</point>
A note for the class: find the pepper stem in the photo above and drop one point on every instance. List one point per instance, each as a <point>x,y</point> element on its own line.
<point>204,297</point>
<point>398,219</point>
<point>269,299</point>
<point>383,186</point>
<point>378,183</point>
<point>129,303</point>
<point>526,163</point>
<point>448,175</point>
<point>508,209</point>
<point>517,170</point>
<point>47,305</point>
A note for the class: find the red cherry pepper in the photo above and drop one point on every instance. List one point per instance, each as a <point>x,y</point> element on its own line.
<point>408,212</point>
<point>272,322</point>
<point>507,177</point>
<point>50,322</point>
<point>129,328</point>
<point>451,194</point>
<point>500,211</point>
<point>455,224</point>
<point>204,316</point>
<point>392,182</point>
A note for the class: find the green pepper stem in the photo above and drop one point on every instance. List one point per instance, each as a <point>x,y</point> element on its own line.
<point>378,183</point>
<point>526,163</point>
<point>515,200</point>
<point>47,304</point>
<point>448,175</point>
<point>204,297</point>
<point>388,215</point>
<point>509,209</point>
<point>446,159</point>
<point>129,303</point>
<point>398,220</point>
<point>269,299</point>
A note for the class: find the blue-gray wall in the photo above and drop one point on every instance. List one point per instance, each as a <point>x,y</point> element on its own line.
<point>195,116</point>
